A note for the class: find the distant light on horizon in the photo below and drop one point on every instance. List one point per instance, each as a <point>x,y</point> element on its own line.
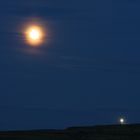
<point>122,120</point>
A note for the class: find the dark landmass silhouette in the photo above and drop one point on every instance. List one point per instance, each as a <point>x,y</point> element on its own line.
<point>105,132</point>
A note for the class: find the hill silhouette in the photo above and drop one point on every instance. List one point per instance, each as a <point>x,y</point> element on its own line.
<point>105,132</point>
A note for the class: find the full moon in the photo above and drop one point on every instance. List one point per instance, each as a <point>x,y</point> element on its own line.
<point>34,35</point>
<point>122,121</point>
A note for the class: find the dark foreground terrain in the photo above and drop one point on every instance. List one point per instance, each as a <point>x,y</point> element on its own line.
<point>111,132</point>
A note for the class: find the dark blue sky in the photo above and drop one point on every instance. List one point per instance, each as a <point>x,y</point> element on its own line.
<point>88,73</point>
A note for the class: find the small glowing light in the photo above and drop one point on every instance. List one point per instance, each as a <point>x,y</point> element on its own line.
<point>34,35</point>
<point>122,121</point>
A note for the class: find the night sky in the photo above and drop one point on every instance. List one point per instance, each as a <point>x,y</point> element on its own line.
<point>87,72</point>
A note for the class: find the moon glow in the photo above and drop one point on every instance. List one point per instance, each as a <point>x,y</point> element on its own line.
<point>34,35</point>
<point>122,121</point>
